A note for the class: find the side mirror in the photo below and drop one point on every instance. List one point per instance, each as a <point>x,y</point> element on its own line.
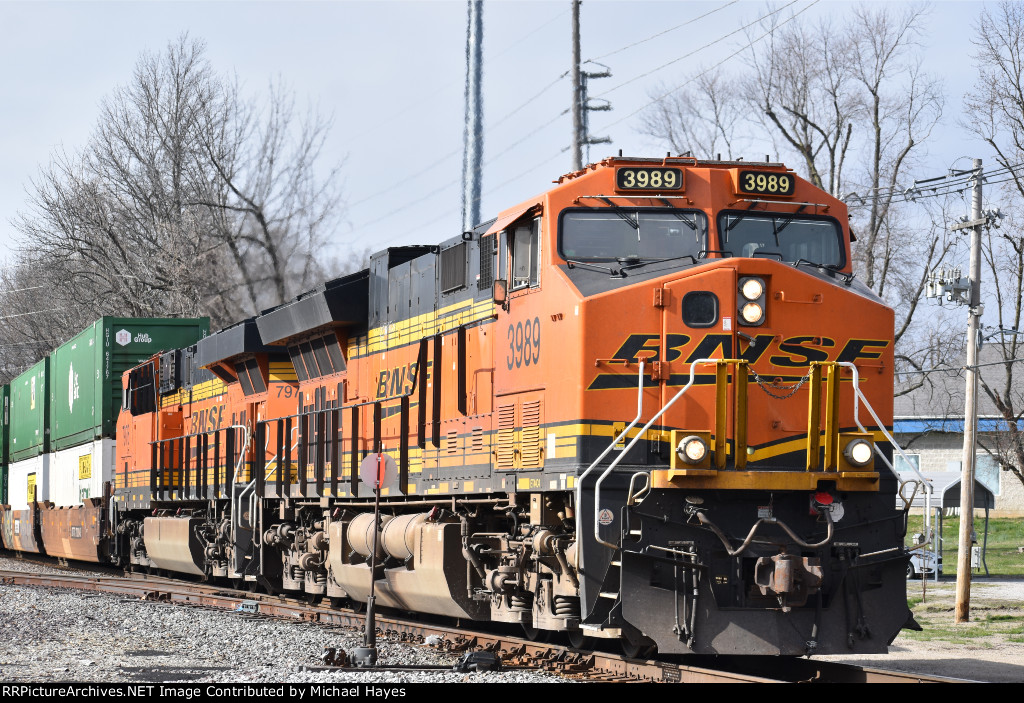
<point>500,291</point>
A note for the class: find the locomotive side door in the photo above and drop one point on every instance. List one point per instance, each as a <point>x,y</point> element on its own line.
<point>518,378</point>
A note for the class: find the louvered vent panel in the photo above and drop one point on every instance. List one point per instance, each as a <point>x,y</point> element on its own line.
<point>487,250</point>
<point>531,435</point>
<point>506,437</point>
<point>478,439</point>
<point>453,268</point>
<point>452,442</point>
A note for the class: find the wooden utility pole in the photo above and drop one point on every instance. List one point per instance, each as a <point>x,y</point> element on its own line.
<point>966,541</point>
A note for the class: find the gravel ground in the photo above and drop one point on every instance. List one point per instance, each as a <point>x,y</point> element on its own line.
<point>54,635</point>
<point>59,635</point>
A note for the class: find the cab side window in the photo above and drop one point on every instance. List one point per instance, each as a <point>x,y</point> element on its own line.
<point>524,248</point>
<point>141,397</point>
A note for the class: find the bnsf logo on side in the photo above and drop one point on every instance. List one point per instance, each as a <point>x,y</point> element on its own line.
<point>397,381</point>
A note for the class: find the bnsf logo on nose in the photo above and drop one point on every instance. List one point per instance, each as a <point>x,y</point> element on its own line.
<point>791,352</point>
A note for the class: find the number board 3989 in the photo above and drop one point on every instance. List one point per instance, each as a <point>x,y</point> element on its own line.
<point>523,344</point>
<point>648,178</point>
<point>765,183</point>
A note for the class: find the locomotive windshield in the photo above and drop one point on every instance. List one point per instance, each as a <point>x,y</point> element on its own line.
<point>781,236</point>
<point>612,234</point>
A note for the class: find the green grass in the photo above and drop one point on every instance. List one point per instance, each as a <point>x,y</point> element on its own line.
<point>992,621</point>
<point>998,618</point>
<point>1001,555</point>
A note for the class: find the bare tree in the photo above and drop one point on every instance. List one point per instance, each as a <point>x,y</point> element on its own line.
<point>802,84</point>
<point>847,99</point>
<point>702,121</point>
<point>994,111</point>
<point>189,199</point>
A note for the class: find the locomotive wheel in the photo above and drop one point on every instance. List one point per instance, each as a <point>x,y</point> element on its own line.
<point>578,640</point>
<point>536,634</point>
<point>642,649</point>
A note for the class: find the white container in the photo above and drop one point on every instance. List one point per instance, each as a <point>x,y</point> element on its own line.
<point>78,473</point>
<point>34,472</point>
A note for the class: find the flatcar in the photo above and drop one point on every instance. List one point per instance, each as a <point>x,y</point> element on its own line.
<point>651,405</point>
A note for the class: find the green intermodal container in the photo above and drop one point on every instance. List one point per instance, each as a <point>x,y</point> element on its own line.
<point>85,371</point>
<point>5,439</point>
<point>29,419</point>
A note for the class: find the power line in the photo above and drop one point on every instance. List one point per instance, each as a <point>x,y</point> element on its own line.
<point>952,183</point>
<point>34,312</point>
<point>434,164</point>
<point>453,211</point>
<point>536,130</point>
<point>21,290</point>
<point>24,344</point>
<point>664,31</point>
<point>704,47</point>
<point>711,68</point>
<point>955,369</point>
<point>435,92</point>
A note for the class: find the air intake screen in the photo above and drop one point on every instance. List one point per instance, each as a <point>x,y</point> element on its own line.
<point>453,268</point>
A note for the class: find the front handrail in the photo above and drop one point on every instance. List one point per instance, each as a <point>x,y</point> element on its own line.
<point>928,488</point>
<point>641,433</point>
<point>579,482</point>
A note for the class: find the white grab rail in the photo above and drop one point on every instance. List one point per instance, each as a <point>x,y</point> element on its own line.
<point>611,467</point>
<point>579,481</point>
<point>928,488</point>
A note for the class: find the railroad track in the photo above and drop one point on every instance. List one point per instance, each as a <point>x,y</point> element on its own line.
<point>513,652</point>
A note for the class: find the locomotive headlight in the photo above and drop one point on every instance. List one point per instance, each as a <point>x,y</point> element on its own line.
<point>752,313</point>
<point>751,301</point>
<point>752,288</point>
<point>858,452</point>
<point>692,449</point>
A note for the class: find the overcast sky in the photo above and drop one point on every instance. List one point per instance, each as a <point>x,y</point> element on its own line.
<point>392,76</point>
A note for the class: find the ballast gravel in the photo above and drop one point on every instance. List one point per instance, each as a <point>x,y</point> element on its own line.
<point>60,635</point>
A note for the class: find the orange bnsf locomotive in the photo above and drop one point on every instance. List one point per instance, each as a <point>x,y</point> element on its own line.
<point>648,405</point>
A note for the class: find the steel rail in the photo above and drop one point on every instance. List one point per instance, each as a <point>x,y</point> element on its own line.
<point>513,651</point>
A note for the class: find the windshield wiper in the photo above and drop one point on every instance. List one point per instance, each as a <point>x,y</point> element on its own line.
<point>573,263</point>
<point>739,218</point>
<point>623,214</point>
<point>834,268</point>
<point>692,224</point>
<point>787,222</point>
<point>691,257</point>
<point>847,277</point>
